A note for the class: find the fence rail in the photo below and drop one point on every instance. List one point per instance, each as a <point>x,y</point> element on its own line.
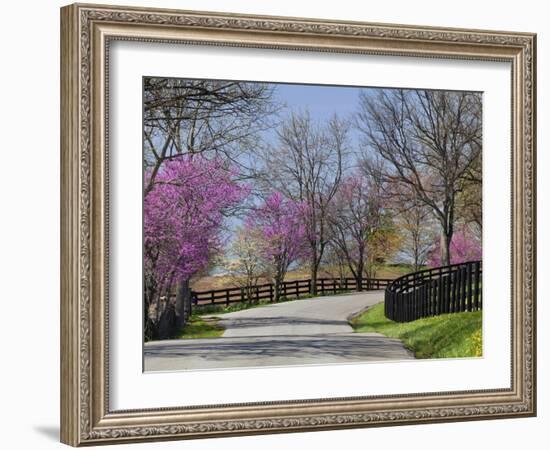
<point>448,289</point>
<point>288,289</point>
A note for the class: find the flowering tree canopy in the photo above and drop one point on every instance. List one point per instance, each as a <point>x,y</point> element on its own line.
<point>183,216</point>
<point>464,247</point>
<point>280,223</point>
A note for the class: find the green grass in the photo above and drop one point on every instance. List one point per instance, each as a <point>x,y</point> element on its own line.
<point>456,335</point>
<point>198,327</point>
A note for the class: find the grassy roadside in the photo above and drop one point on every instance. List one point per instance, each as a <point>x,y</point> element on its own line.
<point>199,327</point>
<point>455,335</point>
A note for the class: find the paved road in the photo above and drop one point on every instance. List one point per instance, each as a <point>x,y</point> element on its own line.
<point>310,331</point>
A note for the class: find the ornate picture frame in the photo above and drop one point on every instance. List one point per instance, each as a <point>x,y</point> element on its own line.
<point>86,34</point>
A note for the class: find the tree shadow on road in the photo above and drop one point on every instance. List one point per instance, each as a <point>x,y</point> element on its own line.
<point>253,322</point>
<point>339,347</point>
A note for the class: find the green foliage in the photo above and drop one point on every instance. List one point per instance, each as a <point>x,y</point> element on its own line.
<point>456,335</point>
<point>382,244</point>
<point>198,327</point>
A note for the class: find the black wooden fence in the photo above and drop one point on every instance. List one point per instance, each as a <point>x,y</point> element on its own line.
<point>288,289</point>
<point>432,292</point>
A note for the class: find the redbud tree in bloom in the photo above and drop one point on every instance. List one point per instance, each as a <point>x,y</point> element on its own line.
<point>183,219</point>
<point>279,223</point>
<point>464,247</point>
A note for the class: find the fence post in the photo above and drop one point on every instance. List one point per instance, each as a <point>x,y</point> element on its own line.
<point>322,286</point>
<point>297,290</point>
<point>457,291</point>
<point>442,295</point>
<point>271,292</point>
<point>476,285</point>
<point>432,298</point>
<point>227,297</point>
<point>421,299</point>
<point>450,292</point>
<point>427,297</point>
<point>212,299</point>
<point>480,289</point>
<point>456,299</point>
<point>469,284</point>
<point>464,288</point>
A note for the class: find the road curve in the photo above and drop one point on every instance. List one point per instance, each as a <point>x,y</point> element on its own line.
<point>309,331</point>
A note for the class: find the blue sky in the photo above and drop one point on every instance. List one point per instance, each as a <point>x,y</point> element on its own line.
<point>322,101</point>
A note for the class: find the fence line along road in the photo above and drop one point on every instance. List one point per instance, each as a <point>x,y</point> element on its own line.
<point>442,290</point>
<point>289,290</point>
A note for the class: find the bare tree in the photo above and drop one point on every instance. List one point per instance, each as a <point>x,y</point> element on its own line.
<point>190,116</point>
<point>428,142</point>
<point>307,166</point>
<point>415,220</point>
<point>334,263</point>
<point>355,217</point>
<point>470,199</point>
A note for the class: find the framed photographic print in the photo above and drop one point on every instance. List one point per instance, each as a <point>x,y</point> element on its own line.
<point>275,224</point>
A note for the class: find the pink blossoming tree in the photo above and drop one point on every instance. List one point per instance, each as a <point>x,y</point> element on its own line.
<point>183,219</point>
<point>280,225</point>
<point>464,247</point>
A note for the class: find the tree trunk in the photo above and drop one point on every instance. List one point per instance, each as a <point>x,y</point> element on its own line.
<point>416,267</point>
<point>183,303</point>
<point>359,273</point>
<point>277,289</point>
<point>359,281</point>
<point>445,246</point>
<point>150,326</point>
<point>314,270</point>
<point>167,326</point>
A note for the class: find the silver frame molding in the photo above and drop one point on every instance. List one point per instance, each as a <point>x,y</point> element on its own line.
<point>86,31</point>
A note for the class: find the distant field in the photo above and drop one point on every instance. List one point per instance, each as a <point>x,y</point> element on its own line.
<point>211,282</point>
